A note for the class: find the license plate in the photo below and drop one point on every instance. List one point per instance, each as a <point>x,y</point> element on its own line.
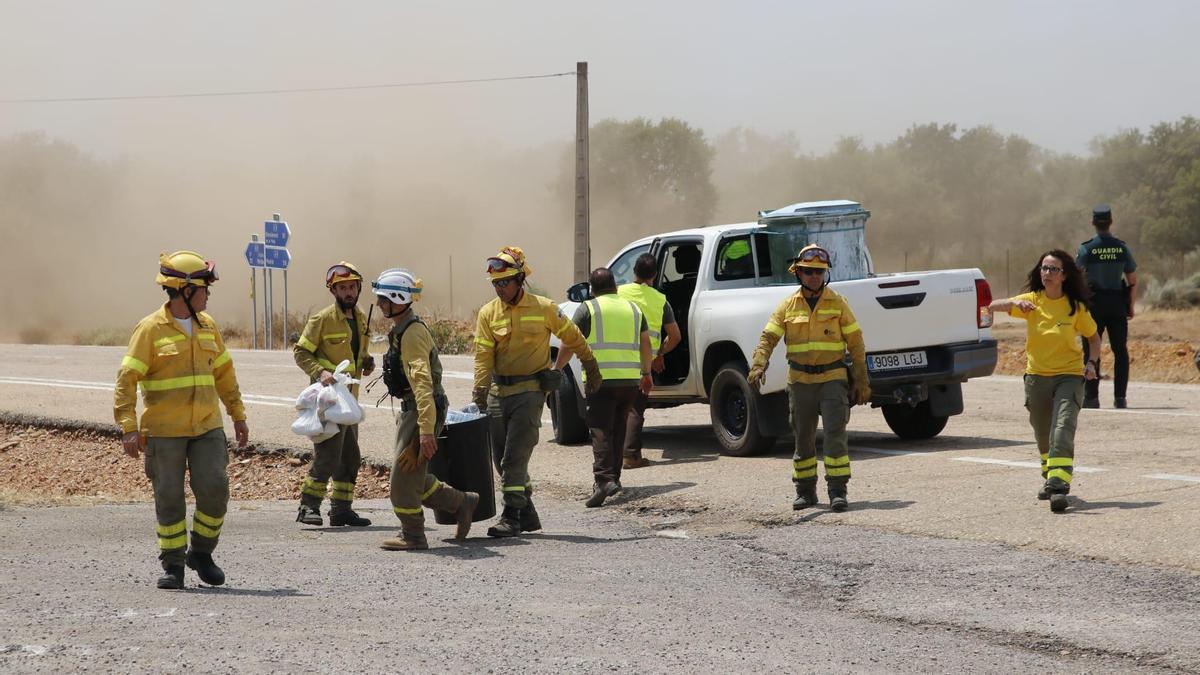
<point>897,361</point>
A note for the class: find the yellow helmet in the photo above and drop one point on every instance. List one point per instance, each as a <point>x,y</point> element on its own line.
<point>178,269</point>
<point>811,256</point>
<point>508,263</point>
<point>343,271</point>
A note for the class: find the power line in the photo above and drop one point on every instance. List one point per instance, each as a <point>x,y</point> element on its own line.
<point>272,92</point>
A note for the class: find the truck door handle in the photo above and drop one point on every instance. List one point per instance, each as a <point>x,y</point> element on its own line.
<point>900,301</point>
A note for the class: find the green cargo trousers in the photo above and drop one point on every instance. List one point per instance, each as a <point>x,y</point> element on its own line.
<point>1053,403</point>
<point>412,490</point>
<point>831,402</point>
<point>514,422</point>
<point>205,458</point>
<point>337,457</point>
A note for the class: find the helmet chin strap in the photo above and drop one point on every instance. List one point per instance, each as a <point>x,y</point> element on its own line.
<point>392,315</point>
<point>187,293</point>
<point>520,281</point>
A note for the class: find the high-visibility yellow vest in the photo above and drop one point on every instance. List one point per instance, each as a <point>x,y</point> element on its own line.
<point>651,302</point>
<point>615,337</point>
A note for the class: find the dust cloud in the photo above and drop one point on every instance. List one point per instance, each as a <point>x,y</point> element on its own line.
<point>82,233</point>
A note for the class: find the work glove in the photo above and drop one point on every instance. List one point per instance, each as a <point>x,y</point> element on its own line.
<point>862,386</point>
<point>409,458</point>
<point>757,375</point>
<point>593,376</point>
<point>480,397</point>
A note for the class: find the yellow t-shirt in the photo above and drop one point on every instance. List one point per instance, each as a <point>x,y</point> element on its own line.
<point>1052,336</point>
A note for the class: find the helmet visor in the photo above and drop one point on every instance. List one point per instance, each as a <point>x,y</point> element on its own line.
<point>339,273</point>
<point>498,265</point>
<point>813,254</point>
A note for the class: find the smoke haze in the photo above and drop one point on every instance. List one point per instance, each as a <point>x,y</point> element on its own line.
<point>438,178</point>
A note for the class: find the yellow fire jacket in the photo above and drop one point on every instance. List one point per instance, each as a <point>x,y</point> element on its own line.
<point>514,340</point>
<point>181,378</point>
<point>814,338</point>
<point>325,343</point>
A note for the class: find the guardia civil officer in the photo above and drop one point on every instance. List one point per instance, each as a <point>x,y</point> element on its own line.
<point>1112,276</point>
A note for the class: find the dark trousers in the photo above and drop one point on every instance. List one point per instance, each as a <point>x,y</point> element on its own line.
<point>1109,311</point>
<point>633,429</point>
<point>607,417</point>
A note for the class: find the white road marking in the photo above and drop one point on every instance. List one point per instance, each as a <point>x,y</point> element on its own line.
<point>1172,476</point>
<point>1128,411</point>
<point>1023,465</point>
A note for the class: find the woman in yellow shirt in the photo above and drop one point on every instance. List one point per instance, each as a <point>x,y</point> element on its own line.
<point>1056,314</point>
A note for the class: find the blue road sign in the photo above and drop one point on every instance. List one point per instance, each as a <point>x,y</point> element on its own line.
<point>278,233</point>
<point>277,257</point>
<point>255,254</point>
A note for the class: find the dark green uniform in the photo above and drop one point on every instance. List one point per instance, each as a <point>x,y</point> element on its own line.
<point>1105,260</point>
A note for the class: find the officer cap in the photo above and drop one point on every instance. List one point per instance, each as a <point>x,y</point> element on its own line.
<point>1102,214</point>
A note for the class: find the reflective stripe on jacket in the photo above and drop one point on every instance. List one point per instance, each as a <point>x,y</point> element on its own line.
<point>815,337</point>
<point>515,340</point>
<point>326,342</point>
<point>181,378</point>
<point>615,337</point>
<point>652,303</point>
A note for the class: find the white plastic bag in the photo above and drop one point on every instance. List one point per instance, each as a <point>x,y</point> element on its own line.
<point>470,412</point>
<point>308,423</point>
<point>346,410</point>
<point>327,433</point>
<point>308,398</point>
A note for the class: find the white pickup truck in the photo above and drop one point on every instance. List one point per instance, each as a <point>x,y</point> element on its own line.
<point>926,332</point>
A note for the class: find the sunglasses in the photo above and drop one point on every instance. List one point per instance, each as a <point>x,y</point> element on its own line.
<point>1051,270</point>
<point>503,283</point>
<point>208,274</point>
<point>811,271</point>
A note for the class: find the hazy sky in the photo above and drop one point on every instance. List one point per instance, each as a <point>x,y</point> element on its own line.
<point>1057,72</point>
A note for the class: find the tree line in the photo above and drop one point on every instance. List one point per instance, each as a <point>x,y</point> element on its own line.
<point>940,196</point>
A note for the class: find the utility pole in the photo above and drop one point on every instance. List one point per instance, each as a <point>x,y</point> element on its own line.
<point>583,250</point>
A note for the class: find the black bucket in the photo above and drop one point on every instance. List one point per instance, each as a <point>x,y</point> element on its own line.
<point>464,461</point>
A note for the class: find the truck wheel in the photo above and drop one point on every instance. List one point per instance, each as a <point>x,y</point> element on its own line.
<point>913,423</point>
<point>569,426</point>
<point>733,408</point>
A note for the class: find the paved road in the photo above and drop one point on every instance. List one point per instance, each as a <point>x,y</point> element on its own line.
<point>597,591</point>
<point>1136,497</point>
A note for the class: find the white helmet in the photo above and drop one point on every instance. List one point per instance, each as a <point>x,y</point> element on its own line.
<point>398,285</point>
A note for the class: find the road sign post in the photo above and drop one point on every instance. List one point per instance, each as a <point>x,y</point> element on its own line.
<point>269,255</point>
<point>255,257</point>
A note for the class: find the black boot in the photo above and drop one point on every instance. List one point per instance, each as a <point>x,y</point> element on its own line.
<point>529,517</point>
<point>309,516</point>
<point>1058,502</point>
<point>806,496</point>
<point>172,578</point>
<point>509,524</point>
<point>350,518</point>
<point>205,568</point>
<point>1043,494</point>
<point>837,498</point>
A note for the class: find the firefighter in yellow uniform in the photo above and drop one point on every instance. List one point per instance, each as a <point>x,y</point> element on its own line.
<point>335,334</point>
<point>513,375</point>
<point>818,327</point>
<point>178,360</point>
<point>412,371</point>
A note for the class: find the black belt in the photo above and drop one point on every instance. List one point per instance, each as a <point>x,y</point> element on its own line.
<point>509,380</point>
<point>816,370</point>
<point>439,400</point>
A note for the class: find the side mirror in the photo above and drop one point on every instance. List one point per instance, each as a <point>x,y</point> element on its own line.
<point>579,292</point>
